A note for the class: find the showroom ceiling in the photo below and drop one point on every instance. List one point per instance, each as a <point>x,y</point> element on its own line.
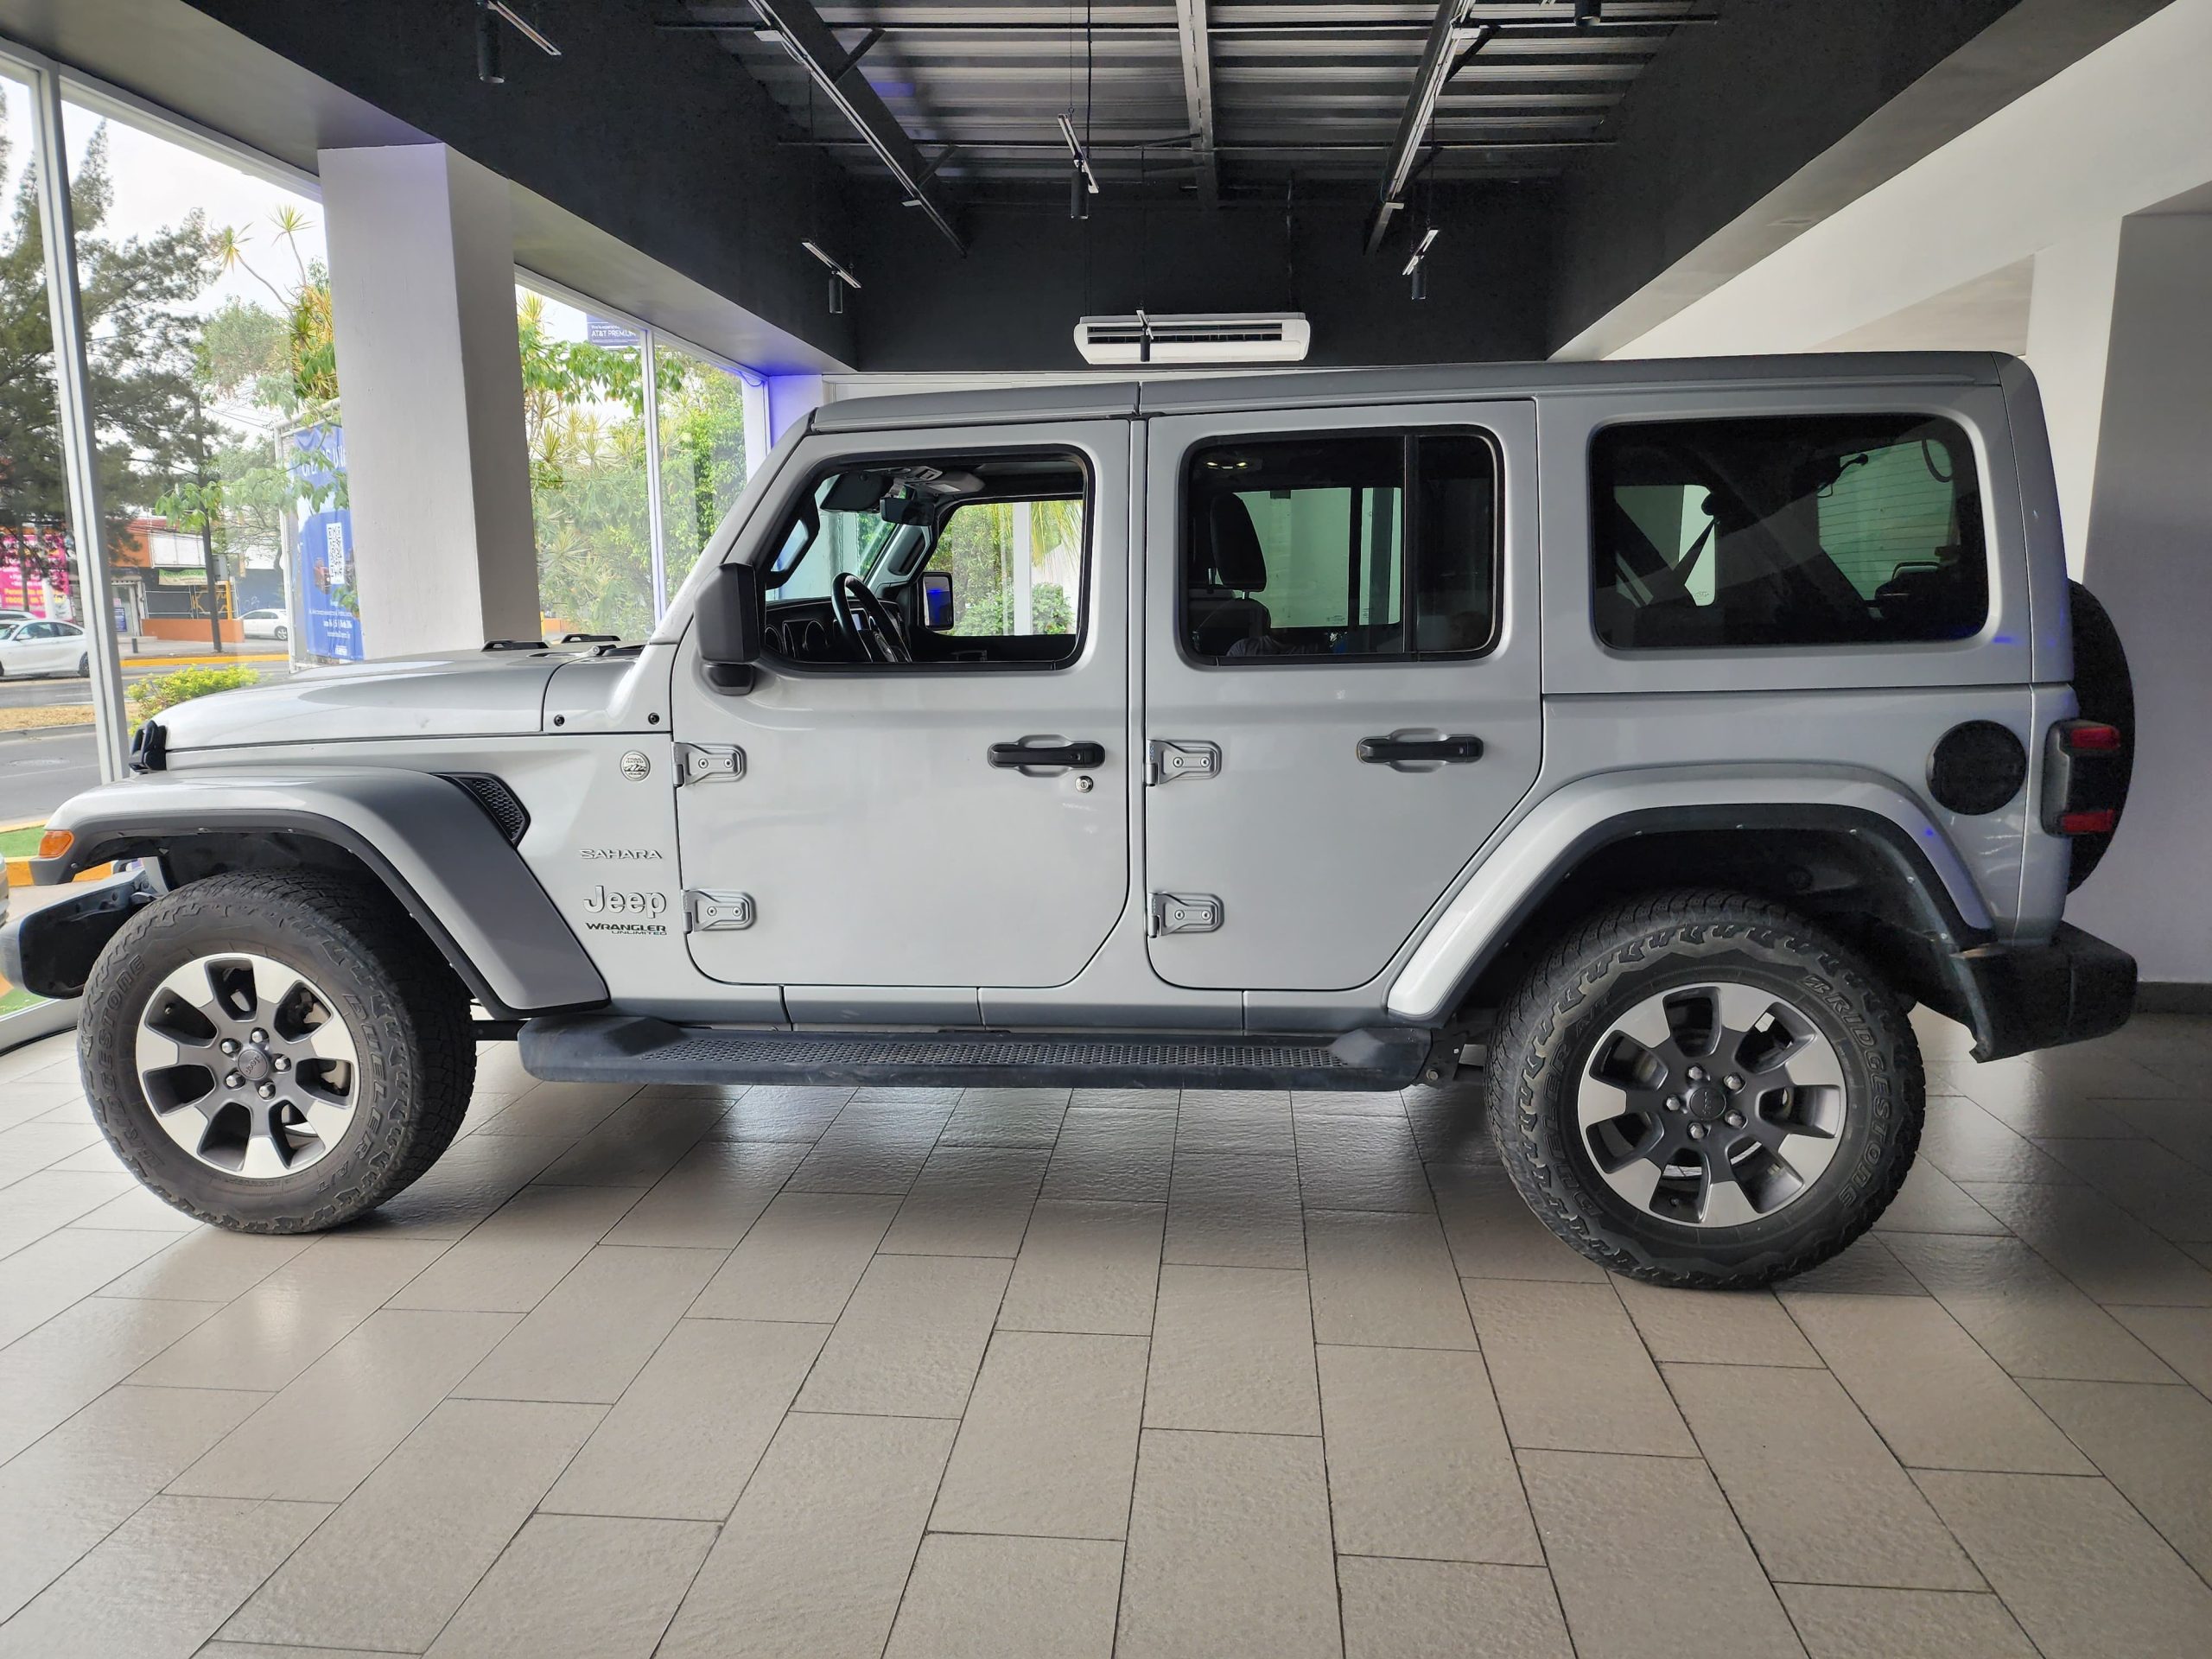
<point>1184,98</point>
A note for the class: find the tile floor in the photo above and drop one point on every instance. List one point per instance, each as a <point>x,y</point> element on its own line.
<point>814,1372</point>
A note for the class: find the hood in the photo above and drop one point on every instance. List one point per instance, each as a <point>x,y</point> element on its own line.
<point>485,694</point>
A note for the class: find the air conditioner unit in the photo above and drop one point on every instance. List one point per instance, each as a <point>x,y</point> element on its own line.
<point>1195,337</point>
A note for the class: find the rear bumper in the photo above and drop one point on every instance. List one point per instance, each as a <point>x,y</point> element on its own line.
<point>2024,997</point>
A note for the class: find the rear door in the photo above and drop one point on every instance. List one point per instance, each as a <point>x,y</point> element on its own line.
<point>1342,679</point>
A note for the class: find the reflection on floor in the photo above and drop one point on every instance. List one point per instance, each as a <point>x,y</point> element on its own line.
<point>810,1372</point>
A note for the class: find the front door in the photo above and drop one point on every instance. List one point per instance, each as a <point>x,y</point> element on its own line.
<point>869,810</point>
<point>1342,695</point>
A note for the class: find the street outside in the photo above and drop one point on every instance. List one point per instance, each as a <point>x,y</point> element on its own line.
<point>42,767</point>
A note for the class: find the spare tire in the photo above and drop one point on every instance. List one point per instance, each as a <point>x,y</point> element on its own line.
<point>2105,691</point>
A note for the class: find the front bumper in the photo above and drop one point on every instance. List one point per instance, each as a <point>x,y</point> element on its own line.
<point>51,950</point>
<point>2024,997</point>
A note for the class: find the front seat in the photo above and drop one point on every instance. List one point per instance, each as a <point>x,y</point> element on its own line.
<point>1227,566</point>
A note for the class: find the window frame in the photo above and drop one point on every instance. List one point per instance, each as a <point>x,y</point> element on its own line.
<point>1973,442</point>
<point>858,460</point>
<point>1409,438</point>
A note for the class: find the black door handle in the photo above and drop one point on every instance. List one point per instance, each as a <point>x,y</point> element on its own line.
<point>1389,751</point>
<point>1061,755</point>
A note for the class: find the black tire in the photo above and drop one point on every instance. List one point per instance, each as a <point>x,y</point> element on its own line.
<point>407,1015</point>
<point>1545,1040</point>
<point>84,668</point>
<point>283,633</point>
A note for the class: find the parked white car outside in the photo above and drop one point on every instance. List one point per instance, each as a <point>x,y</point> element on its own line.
<point>41,647</point>
<point>265,625</point>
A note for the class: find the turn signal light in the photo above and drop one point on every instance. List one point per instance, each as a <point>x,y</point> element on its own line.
<point>2100,822</point>
<point>2089,737</point>
<point>55,842</point>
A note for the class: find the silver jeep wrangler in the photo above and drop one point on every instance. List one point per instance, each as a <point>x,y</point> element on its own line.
<point>1665,731</point>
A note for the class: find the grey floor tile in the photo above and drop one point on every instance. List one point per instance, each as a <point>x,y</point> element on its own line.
<point>2029,1102</point>
<point>530,1244</point>
<point>1419,1464</point>
<point>912,1339</point>
<point>319,1438</point>
<point>1865,1268</point>
<point>1649,1561</point>
<point>1714,1327</point>
<point>1840,1622</point>
<point>879,1153</point>
<point>1126,1100</point>
<point>565,1111</point>
<point>1225,1209</point>
<point>1386,1278</point>
<point>594,1331</point>
<point>1347,1162</point>
<point>64,1494</point>
<point>945,1099</point>
<point>2159,1188</point>
<point>1006,1117</point>
<point>38,1204</point>
<point>795,1112</point>
<point>1969,1144</point>
<point>636,1144</point>
<point>2082,1572</point>
<point>208,1264</point>
<point>1048,1448</point>
<point>30,1147</point>
<point>713,1196</point>
<point>470,1179</point>
<point>1433,1610</point>
<point>286,1650</point>
<point>2098,1245</point>
<point>2180,1126</point>
<point>1229,1551</point>
<point>133,1208</point>
<point>1931,1202</point>
<point>686,1436</point>
<point>1251,1122</point>
<point>2155,1443</point>
<point>972,1597</point>
<point>1232,1349</point>
<point>1086,1266</point>
<point>77,1356</point>
<point>801,1259</point>
<point>1349,1102</point>
<point>968,1200</point>
<point>2180,1336</point>
<point>41,1279</point>
<point>162,1582</point>
<point>294,1316</point>
<point>396,1559</point>
<point>1450,1124</point>
<point>1492,1234</point>
<point>814,1559</point>
<point>1571,1372</point>
<point>1936,1397</point>
<point>2031,1317</point>
<point>576,1586</point>
<point>1122,1156</point>
<point>1821,1497</point>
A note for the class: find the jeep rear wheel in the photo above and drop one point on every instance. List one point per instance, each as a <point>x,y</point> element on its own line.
<point>1704,1089</point>
<point>275,1053</point>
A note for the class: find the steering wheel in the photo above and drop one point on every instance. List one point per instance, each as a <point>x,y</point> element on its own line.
<point>883,640</point>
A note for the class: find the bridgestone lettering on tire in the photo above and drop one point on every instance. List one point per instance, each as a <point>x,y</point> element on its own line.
<point>1626,1118</point>
<point>406,1031</point>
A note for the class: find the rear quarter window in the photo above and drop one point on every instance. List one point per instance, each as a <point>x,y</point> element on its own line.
<point>1786,531</point>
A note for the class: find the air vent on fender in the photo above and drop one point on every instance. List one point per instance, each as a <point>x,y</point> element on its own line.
<point>500,803</point>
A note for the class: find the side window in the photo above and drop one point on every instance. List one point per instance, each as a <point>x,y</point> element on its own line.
<point>1786,531</point>
<point>1305,547</point>
<point>968,560</point>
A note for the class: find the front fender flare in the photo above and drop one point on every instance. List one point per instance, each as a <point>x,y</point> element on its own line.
<point>1563,827</point>
<point>420,834</point>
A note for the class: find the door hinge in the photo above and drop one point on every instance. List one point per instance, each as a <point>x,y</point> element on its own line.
<point>707,911</point>
<point>696,762</point>
<point>1166,760</point>
<point>1184,912</point>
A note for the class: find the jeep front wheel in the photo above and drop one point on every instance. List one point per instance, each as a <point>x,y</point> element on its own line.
<point>276,1054</point>
<point>1704,1089</point>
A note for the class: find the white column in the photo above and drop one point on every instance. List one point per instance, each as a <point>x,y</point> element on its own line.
<point>2149,558</point>
<point>422,284</point>
<point>2069,333</point>
<point>1025,561</point>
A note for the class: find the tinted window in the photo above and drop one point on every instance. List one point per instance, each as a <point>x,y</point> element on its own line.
<point>1304,548</point>
<point>1797,531</point>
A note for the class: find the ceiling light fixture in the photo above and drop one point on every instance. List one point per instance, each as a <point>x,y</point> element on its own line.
<point>1083,181</point>
<point>840,277</point>
<point>490,14</point>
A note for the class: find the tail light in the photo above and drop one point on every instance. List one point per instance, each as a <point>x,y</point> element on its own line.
<point>2085,778</point>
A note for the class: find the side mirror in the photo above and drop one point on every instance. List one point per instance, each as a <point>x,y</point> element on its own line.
<point>728,623</point>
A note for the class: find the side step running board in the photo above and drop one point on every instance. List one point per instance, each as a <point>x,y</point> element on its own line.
<point>622,1048</point>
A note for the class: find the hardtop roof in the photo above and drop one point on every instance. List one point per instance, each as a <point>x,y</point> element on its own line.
<point>1106,398</point>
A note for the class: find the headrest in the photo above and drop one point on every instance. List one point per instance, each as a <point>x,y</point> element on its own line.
<point>1238,560</point>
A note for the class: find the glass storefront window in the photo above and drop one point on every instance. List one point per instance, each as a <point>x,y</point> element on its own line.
<point>702,424</point>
